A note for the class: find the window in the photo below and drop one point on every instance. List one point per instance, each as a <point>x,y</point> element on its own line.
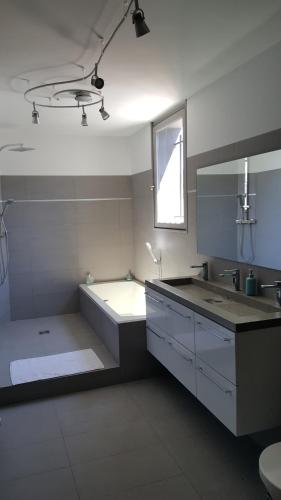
<point>169,171</point>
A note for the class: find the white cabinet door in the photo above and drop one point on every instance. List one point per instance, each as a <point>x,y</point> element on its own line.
<point>217,394</point>
<point>180,324</point>
<point>178,360</point>
<point>215,345</point>
<point>156,310</point>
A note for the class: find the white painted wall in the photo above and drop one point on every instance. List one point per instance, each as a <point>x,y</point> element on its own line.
<point>65,155</point>
<point>242,104</point>
<point>245,103</point>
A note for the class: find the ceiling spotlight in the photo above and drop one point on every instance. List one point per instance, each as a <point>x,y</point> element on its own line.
<point>35,115</point>
<point>139,21</point>
<point>104,114</point>
<point>84,121</point>
<point>96,81</point>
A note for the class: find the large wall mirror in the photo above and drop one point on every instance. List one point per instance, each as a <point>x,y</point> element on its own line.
<point>239,210</point>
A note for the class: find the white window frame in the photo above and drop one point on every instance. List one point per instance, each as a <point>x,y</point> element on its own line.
<point>180,112</point>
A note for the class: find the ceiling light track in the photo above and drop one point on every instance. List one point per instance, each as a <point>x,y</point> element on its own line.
<point>85,97</point>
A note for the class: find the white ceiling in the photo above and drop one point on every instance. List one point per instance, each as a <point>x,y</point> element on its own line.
<point>192,42</point>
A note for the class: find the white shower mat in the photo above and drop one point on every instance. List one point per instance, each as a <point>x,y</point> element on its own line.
<point>56,365</point>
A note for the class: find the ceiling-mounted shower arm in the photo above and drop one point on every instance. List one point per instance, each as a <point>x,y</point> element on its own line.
<point>7,146</point>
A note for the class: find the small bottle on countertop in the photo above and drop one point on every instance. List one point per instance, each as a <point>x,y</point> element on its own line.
<point>251,284</point>
<point>129,276</point>
<point>89,279</point>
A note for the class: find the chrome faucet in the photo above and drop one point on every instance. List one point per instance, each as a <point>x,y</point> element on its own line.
<point>235,273</point>
<point>205,268</point>
<point>277,285</point>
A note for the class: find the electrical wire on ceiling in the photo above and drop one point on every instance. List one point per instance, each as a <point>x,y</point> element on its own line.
<point>84,97</point>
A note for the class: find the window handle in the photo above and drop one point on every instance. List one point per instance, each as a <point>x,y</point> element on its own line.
<point>151,188</point>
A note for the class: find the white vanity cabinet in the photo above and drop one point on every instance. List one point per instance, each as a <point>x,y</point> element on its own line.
<point>178,360</point>
<point>215,345</point>
<point>236,375</point>
<point>170,337</point>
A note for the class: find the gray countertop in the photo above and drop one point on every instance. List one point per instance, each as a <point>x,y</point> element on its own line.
<point>231,309</point>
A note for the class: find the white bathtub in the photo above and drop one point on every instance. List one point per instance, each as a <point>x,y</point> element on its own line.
<point>125,298</point>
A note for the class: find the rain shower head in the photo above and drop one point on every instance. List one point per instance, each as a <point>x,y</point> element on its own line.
<point>18,147</point>
<point>21,149</point>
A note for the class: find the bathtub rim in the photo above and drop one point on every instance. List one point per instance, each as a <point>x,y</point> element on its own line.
<point>117,318</point>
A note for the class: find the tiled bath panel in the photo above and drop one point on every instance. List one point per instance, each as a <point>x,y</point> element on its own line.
<point>148,439</point>
<point>21,339</point>
<point>54,244</point>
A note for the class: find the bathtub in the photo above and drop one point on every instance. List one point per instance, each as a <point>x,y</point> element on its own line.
<point>124,300</point>
<point>116,312</point>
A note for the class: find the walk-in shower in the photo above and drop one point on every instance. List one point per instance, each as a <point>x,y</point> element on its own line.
<point>4,247</point>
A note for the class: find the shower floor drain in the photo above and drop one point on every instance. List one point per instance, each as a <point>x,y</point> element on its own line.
<point>43,332</point>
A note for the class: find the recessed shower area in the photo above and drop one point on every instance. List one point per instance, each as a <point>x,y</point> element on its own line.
<point>54,231</point>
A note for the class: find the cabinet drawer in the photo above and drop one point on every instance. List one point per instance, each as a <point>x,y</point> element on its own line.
<point>216,346</point>
<point>178,360</point>
<point>156,310</point>
<point>180,324</point>
<point>217,394</point>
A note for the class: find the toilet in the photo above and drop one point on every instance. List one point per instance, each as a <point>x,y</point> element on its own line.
<point>270,470</point>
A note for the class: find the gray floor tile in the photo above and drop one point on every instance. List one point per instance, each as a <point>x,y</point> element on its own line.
<point>104,441</point>
<point>175,488</point>
<point>69,332</point>
<point>32,459</point>
<point>55,485</point>
<point>124,471</point>
<point>28,423</point>
<point>105,407</point>
<point>213,466</point>
<point>159,396</point>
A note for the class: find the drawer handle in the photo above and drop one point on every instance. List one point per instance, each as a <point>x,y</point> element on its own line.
<point>226,391</point>
<point>187,358</point>
<point>177,312</point>
<point>224,339</point>
<point>157,334</point>
<point>154,300</point>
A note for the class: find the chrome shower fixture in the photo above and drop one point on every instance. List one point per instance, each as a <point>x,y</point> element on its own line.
<point>18,147</point>
<point>244,198</point>
<point>152,254</point>
<point>56,90</point>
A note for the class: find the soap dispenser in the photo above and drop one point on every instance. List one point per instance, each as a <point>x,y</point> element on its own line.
<point>251,284</point>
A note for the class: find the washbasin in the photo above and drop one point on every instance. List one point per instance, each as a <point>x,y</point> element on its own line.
<point>225,300</point>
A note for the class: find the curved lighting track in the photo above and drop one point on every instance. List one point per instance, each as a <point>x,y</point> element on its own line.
<point>32,99</point>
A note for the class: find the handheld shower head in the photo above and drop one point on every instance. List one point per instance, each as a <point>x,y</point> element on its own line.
<point>152,254</point>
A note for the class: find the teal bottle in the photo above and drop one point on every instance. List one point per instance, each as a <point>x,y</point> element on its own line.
<point>251,284</point>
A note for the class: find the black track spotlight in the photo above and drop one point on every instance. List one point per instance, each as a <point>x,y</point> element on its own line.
<point>35,115</point>
<point>84,121</point>
<point>96,80</point>
<point>104,114</point>
<point>139,21</point>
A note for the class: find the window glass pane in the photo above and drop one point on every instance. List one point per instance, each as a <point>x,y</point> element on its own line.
<point>169,173</point>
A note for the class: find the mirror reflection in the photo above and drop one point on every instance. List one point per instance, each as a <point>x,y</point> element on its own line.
<point>239,211</point>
